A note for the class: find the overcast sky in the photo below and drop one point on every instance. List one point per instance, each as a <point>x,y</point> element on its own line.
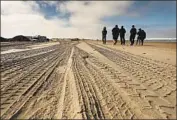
<point>86,19</point>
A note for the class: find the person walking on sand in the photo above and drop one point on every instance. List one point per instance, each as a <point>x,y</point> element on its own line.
<point>132,34</point>
<point>104,33</point>
<point>143,36</point>
<point>115,34</point>
<point>138,37</point>
<point>122,35</point>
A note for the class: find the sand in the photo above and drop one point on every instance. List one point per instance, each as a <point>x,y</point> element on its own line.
<point>160,51</point>
<point>30,47</point>
<point>89,80</point>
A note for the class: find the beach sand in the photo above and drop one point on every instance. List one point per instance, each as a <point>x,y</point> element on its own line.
<point>161,51</point>
<point>89,80</point>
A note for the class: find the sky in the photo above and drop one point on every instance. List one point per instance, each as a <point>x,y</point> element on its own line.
<point>86,19</point>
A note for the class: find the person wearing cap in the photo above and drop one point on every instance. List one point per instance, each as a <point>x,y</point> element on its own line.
<point>104,33</point>
<point>132,34</point>
<point>122,35</point>
<point>115,34</point>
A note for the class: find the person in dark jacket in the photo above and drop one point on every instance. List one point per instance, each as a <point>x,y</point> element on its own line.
<point>143,36</point>
<point>139,36</point>
<point>104,33</point>
<point>115,34</point>
<point>122,35</point>
<point>132,34</point>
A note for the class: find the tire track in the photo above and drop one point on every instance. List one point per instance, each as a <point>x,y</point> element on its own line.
<point>158,97</point>
<point>111,105</point>
<point>91,108</point>
<point>61,101</point>
<point>16,73</point>
<point>18,93</point>
<point>26,87</point>
<point>48,95</point>
<point>81,83</point>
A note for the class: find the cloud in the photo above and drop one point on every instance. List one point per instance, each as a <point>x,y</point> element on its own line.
<point>84,18</point>
<point>25,18</point>
<point>11,7</point>
<point>85,13</point>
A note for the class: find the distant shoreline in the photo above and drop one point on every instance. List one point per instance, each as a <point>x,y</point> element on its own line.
<point>160,40</point>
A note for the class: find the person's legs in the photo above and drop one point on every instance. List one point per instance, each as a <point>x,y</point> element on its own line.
<point>131,41</point>
<point>115,41</point>
<point>124,39</point>
<point>104,37</point>
<point>137,41</point>
<point>142,42</point>
<point>105,40</point>
<point>117,38</point>
<point>121,40</point>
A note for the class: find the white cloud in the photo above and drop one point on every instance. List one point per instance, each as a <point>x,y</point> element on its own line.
<point>25,18</point>
<point>83,15</point>
<point>19,7</point>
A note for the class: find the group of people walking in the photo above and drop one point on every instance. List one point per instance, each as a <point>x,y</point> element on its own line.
<point>133,32</point>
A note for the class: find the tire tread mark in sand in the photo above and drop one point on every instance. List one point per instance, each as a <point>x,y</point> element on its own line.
<point>16,79</point>
<point>9,57</point>
<point>23,56</point>
<point>12,90</point>
<point>119,107</point>
<point>151,80</point>
<point>55,58</point>
<point>64,57</point>
<point>144,59</point>
<point>29,93</point>
<point>22,65</point>
<point>50,111</point>
<point>129,67</point>
<point>121,82</point>
<point>108,92</point>
<point>160,68</point>
<point>18,82</point>
<point>59,113</point>
<point>71,98</point>
<point>91,107</point>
